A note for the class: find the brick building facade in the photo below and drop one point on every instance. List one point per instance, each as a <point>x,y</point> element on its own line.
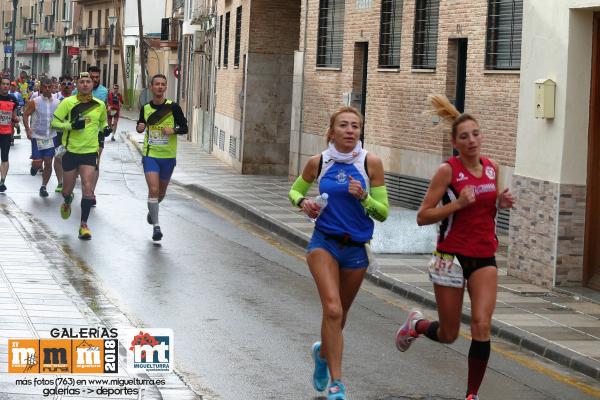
<point>256,41</point>
<point>397,127</point>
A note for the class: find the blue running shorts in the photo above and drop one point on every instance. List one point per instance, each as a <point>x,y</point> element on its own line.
<point>163,166</point>
<point>37,154</point>
<point>347,257</point>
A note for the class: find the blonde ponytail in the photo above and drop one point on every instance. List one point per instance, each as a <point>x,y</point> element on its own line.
<point>446,110</point>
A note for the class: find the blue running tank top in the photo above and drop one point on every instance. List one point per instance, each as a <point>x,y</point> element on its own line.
<point>344,214</point>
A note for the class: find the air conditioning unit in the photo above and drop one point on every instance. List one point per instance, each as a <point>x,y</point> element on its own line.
<point>199,41</point>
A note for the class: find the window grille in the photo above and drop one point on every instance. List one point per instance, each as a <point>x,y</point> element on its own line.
<point>390,33</point>
<point>330,40</point>
<point>238,36</point>
<point>426,34</point>
<point>222,140</point>
<point>233,146</point>
<point>504,30</point>
<point>226,40</point>
<point>220,38</point>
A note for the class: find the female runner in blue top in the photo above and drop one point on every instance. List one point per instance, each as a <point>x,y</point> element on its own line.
<point>336,254</point>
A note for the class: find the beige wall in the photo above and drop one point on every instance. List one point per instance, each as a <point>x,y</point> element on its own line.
<point>230,79</point>
<point>556,149</point>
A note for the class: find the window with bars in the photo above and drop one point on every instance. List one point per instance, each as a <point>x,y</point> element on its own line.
<point>226,40</point>
<point>426,34</point>
<point>390,33</point>
<point>330,36</point>
<point>238,36</point>
<point>220,38</point>
<point>504,30</point>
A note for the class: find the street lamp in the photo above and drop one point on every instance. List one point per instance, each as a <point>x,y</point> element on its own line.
<point>112,20</point>
<point>41,8</point>
<point>66,27</point>
<point>34,25</point>
<point>13,26</point>
<point>7,32</point>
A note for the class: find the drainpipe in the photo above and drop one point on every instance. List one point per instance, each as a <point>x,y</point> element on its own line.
<point>244,84</point>
<point>213,81</point>
<point>298,168</point>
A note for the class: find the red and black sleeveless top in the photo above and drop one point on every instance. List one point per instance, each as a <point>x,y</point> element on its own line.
<point>471,232</point>
<point>7,104</point>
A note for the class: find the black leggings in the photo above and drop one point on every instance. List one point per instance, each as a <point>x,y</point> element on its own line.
<point>4,147</point>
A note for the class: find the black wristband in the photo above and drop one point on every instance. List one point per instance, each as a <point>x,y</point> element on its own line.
<point>300,202</point>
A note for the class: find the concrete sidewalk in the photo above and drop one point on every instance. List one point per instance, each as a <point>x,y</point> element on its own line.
<point>36,296</point>
<point>560,327</point>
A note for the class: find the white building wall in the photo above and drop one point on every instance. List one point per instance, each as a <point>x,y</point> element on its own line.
<point>55,65</point>
<point>557,40</point>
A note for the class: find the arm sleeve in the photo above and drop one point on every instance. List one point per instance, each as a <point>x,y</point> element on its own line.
<point>376,203</point>
<point>298,190</point>
<point>180,121</point>
<point>59,119</point>
<point>102,120</point>
<point>141,118</point>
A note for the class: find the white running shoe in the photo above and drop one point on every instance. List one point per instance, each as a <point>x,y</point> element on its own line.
<point>407,333</point>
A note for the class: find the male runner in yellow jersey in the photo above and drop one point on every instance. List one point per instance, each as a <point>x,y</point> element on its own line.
<point>83,118</point>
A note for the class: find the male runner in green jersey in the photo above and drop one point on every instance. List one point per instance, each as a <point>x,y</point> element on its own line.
<point>162,120</point>
<point>82,117</point>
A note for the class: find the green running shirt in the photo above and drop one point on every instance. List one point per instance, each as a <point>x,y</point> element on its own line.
<point>80,141</point>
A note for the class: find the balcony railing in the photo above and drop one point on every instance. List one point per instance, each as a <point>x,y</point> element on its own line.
<point>169,31</point>
<point>93,37</point>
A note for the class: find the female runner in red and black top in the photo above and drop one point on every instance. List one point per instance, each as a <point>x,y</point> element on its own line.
<point>8,117</point>
<point>467,187</point>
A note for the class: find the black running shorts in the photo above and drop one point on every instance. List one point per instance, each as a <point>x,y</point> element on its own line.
<point>71,161</point>
<point>5,147</point>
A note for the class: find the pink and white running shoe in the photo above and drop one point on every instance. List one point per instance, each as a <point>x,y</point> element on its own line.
<point>407,333</point>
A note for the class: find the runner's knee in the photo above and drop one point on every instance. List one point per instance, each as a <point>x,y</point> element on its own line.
<point>333,311</point>
<point>448,334</point>
<point>480,326</point>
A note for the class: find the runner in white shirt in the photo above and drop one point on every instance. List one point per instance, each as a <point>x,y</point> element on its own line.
<point>43,138</point>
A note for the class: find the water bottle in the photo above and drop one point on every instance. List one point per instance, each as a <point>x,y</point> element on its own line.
<point>321,201</point>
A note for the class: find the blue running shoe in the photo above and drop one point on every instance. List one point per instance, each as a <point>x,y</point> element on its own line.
<point>321,374</point>
<point>337,391</point>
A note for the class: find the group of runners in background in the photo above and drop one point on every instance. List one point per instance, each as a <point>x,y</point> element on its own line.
<point>67,121</point>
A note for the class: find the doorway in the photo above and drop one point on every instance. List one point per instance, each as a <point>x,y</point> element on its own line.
<point>591,255</point>
<point>461,75</point>
<point>359,82</point>
<point>456,82</point>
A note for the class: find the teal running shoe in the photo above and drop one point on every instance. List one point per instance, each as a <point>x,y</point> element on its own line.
<point>337,391</point>
<point>321,374</point>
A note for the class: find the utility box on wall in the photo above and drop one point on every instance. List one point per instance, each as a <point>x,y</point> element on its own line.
<point>545,92</point>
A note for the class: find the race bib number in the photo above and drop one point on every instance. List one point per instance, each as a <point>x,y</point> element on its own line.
<point>156,137</point>
<point>5,117</point>
<point>445,270</point>
<point>112,112</point>
<point>43,144</point>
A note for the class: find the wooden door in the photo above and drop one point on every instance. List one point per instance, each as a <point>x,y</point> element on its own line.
<point>591,271</point>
